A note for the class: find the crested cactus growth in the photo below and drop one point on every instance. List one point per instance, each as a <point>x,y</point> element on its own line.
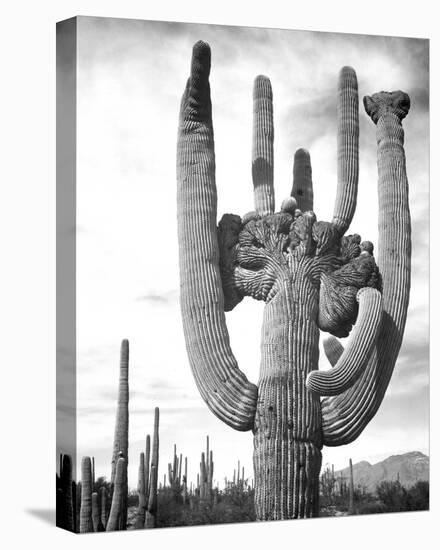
<point>311,277</point>
<point>119,499</point>
<point>85,518</point>
<point>120,442</point>
<point>150,517</point>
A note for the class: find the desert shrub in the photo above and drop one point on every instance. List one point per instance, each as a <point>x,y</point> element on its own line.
<point>372,507</point>
<point>418,496</point>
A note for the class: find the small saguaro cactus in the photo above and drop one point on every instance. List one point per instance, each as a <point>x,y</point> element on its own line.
<point>142,502</point>
<point>67,486</point>
<point>311,277</point>
<point>103,499</point>
<point>119,500</point>
<point>85,517</point>
<point>151,513</point>
<point>96,513</point>
<point>351,490</point>
<point>120,442</point>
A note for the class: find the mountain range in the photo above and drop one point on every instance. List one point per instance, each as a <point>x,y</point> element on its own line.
<point>408,468</point>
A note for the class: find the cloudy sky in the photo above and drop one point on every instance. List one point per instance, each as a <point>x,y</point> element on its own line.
<point>131,75</point>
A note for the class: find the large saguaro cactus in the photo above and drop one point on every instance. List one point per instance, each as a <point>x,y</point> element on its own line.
<point>311,277</point>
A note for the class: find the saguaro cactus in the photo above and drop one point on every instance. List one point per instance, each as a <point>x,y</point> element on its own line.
<point>114,522</point>
<point>96,513</point>
<point>85,517</point>
<point>103,498</point>
<point>151,513</point>
<point>142,504</point>
<point>67,494</point>
<point>311,277</point>
<point>351,490</point>
<point>120,442</point>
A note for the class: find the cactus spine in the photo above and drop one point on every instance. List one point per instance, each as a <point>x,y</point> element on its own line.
<point>310,276</point>
<point>86,524</point>
<point>120,442</point>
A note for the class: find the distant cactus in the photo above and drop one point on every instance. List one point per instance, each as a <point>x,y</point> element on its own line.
<point>311,278</point>
<point>147,466</point>
<point>120,443</point>
<point>351,491</point>
<point>118,500</point>
<point>150,518</point>
<point>96,514</point>
<point>66,503</point>
<point>86,523</point>
<point>142,504</point>
<point>103,497</point>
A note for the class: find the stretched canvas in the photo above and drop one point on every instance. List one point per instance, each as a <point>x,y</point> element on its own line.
<point>242,274</point>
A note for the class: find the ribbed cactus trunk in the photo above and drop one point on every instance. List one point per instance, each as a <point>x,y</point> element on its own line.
<point>287,432</point>
<point>86,523</point>
<point>120,442</point>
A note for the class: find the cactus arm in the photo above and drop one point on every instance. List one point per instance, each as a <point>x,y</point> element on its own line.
<point>356,355</point>
<point>333,350</point>
<point>262,146</point>
<point>302,189</point>
<point>348,149</point>
<point>222,385</point>
<point>345,416</point>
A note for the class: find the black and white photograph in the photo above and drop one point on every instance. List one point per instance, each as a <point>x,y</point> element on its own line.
<point>250,270</point>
